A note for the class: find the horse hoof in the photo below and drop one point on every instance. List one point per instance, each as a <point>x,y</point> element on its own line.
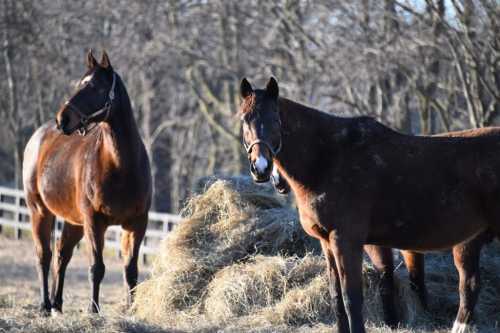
<point>54,313</point>
<point>93,309</point>
<point>392,323</point>
<point>461,328</point>
<point>45,309</point>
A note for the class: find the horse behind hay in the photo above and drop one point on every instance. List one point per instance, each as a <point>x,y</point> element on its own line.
<point>93,180</point>
<point>358,182</point>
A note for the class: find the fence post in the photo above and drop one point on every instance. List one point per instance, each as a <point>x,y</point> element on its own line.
<point>18,217</point>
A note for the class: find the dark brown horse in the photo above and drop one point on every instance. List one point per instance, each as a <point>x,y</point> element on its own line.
<point>382,258</point>
<point>93,180</point>
<point>358,182</point>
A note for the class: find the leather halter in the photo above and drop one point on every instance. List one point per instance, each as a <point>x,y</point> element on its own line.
<point>84,121</point>
<point>272,150</point>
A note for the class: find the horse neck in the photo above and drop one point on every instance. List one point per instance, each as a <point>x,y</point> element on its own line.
<point>303,142</point>
<point>120,136</point>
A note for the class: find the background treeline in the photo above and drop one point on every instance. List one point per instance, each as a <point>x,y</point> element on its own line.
<point>419,66</point>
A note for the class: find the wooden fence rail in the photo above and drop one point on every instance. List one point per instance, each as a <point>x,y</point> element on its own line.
<point>15,214</point>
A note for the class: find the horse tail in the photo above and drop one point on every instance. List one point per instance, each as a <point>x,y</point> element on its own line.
<point>490,235</point>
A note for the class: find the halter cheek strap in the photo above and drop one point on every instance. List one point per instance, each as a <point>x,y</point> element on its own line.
<point>82,125</point>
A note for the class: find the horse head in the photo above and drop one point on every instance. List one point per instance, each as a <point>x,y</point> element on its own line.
<point>261,128</point>
<point>93,100</point>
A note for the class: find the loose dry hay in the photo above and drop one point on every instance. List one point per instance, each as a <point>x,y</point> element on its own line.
<point>240,261</point>
<point>222,227</point>
<point>242,289</point>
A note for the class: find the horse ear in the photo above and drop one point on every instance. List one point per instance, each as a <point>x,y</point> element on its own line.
<point>245,88</point>
<point>105,63</point>
<point>91,62</point>
<point>272,88</point>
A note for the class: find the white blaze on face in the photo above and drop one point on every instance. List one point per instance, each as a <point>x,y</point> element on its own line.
<point>86,79</point>
<point>261,164</point>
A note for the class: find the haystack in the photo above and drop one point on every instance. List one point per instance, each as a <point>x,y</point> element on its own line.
<point>226,225</point>
<point>240,261</point>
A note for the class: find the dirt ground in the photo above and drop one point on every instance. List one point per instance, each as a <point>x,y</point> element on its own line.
<point>19,294</point>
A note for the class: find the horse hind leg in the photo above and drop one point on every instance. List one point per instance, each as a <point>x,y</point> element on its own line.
<point>466,258</point>
<point>416,270</point>
<point>384,264</point>
<point>132,237</point>
<point>42,222</point>
<point>71,235</point>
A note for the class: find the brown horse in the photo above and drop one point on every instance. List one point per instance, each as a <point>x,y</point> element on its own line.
<point>382,258</point>
<point>358,182</point>
<point>93,180</point>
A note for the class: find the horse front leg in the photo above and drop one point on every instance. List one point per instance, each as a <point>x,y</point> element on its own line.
<point>415,265</point>
<point>466,258</point>
<point>383,262</point>
<point>132,236</point>
<point>335,289</point>
<point>71,235</point>
<point>42,223</point>
<point>348,255</point>
<point>94,230</point>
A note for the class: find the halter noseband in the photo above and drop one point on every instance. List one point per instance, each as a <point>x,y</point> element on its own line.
<point>273,151</point>
<point>82,125</point>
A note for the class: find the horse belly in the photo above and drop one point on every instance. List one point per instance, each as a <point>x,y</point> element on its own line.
<point>57,183</point>
<point>429,229</point>
<point>57,191</point>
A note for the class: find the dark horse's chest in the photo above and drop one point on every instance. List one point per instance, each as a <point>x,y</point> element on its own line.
<point>115,192</point>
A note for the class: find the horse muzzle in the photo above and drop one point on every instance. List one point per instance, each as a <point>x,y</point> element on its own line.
<point>261,169</point>
<point>281,185</point>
